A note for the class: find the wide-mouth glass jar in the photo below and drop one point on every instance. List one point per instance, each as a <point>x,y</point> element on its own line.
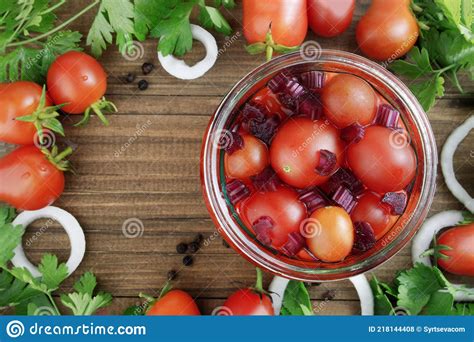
<point>242,239</point>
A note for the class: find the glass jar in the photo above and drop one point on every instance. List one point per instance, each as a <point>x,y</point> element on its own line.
<point>242,239</point>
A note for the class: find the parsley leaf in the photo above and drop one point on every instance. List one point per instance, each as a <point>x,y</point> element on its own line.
<point>10,237</point>
<point>210,17</point>
<point>86,284</point>
<point>296,300</point>
<point>53,274</point>
<point>14,291</point>
<point>113,16</point>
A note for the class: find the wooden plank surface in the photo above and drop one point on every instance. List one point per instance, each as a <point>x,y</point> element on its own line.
<point>146,166</point>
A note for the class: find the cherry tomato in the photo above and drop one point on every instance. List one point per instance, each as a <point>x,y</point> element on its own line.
<point>281,206</point>
<point>248,161</point>
<point>383,160</point>
<point>461,256</point>
<point>388,30</point>
<point>348,99</point>
<point>174,303</point>
<point>29,180</point>
<point>371,210</point>
<point>294,153</point>
<point>269,100</point>
<point>247,302</point>
<point>18,99</point>
<point>330,18</point>
<point>329,234</point>
<point>80,81</point>
<point>288,20</point>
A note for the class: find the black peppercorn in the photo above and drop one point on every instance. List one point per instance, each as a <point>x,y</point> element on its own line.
<point>142,85</point>
<point>188,260</point>
<point>225,244</point>
<point>193,247</point>
<point>147,68</point>
<point>181,248</point>
<point>199,237</point>
<point>130,77</point>
<point>172,274</point>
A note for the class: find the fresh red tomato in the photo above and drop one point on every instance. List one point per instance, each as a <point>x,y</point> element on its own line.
<point>330,18</point>
<point>383,160</point>
<point>282,22</point>
<point>295,150</point>
<point>388,30</point>
<point>19,99</point>
<point>29,180</point>
<point>281,206</point>
<point>348,99</point>
<point>330,234</point>
<point>77,79</point>
<point>371,210</point>
<point>248,161</point>
<point>461,255</point>
<point>249,302</point>
<point>174,303</point>
<point>269,100</point>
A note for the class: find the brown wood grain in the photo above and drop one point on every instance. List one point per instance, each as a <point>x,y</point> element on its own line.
<point>152,174</point>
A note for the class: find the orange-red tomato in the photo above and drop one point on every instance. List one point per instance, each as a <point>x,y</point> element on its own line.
<point>348,99</point>
<point>269,100</point>
<point>281,206</point>
<point>77,79</point>
<point>388,30</point>
<point>383,160</point>
<point>288,19</point>
<point>174,303</point>
<point>371,210</point>
<point>294,153</point>
<point>330,18</point>
<point>331,234</point>
<point>247,302</point>
<point>461,255</point>
<point>29,181</point>
<point>248,161</point>
<point>19,99</point>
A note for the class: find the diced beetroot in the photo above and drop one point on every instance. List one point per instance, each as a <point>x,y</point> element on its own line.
<point>313,79</point>
<point>294,89</point>
<point>264,130</point>
<point>311,107</point>
<point>295,243</point>
<point>267,180</point>
<point>288,101</point>
<point>344,177</point>
<point>397,201</point>
<point>278,83</point>
<point>387,116</point>
<point>231,142</point>
<point>254,111</point>
<point>236,191</point>
<point>353,133</point>
<point>262,228</point>
<point>344,198</point>
<point>364,236</point>
<point>313,199</point>
<point>327,163</point>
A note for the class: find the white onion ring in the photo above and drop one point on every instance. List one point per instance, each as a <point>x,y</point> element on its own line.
<point>70,225</point>
<point>178,68</point>
<point>447,155</point>
<point>278,286</point>
<point>422,242</point>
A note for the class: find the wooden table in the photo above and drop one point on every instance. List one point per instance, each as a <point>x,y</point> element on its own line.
<point>145,165</point>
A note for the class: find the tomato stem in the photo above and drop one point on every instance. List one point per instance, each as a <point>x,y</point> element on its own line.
<point>57,28</point>
<point>259,283</point>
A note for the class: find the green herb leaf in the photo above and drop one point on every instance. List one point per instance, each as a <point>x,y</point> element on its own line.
<point>295,297</point>
<point>210,17</point>
<point>382,305</point>
<point>427,91</point>
<point>83,304</point>
<point>53,273</point>
<point>86,284</point>
<point>13,291</point>
<point>10,237</point>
